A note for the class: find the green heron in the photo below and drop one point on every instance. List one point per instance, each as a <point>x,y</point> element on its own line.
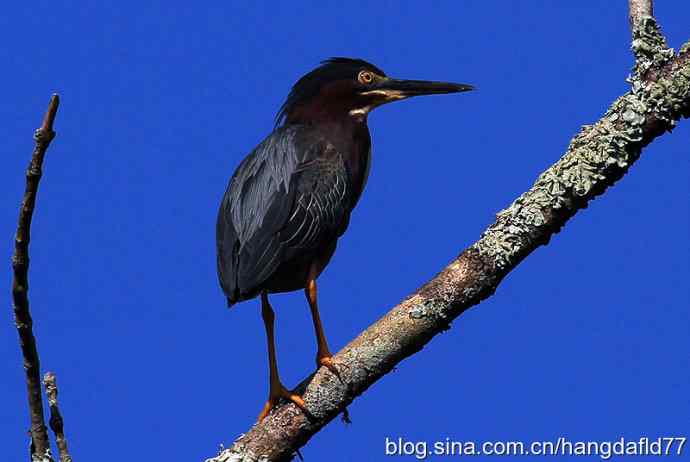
<point>291,198</point>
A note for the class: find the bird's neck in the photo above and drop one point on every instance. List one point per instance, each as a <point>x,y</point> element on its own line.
<point>332,111</point>
<point>351,138</point>
<point>349,133</point>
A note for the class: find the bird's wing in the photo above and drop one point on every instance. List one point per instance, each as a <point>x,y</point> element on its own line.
<point>286,197</point>
<point>257,197</point>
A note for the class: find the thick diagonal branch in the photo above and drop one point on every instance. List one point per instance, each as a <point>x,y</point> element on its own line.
<point>596,158</point>
<point>20,285</point>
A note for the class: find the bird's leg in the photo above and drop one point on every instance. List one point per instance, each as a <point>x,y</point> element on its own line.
<point>277,389</point>
<point>323,354</point>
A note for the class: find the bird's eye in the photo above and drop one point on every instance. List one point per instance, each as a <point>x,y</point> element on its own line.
<point>365,77</point>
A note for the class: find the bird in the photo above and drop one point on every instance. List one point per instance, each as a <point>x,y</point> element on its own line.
<point>290,199</point>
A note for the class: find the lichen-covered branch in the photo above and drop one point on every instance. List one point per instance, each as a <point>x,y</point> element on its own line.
<point>20,286</point>
<point>56,422</point>
<point>596,158</point>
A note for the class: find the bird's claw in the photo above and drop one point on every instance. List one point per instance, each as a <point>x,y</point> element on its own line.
<point>276,395</point>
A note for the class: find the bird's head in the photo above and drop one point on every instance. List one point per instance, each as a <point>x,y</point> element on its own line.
<point>342,87</point>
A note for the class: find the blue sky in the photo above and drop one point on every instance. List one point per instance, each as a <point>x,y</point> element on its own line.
<point>587,338</point>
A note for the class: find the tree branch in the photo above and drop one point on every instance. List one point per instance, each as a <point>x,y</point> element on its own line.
<point>638,9</point>
<point>596,158</point>
<point>56,422</point>
<point>20,285</point>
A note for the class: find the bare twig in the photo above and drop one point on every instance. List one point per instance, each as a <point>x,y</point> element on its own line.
<point>20,284</point>
<point>56,422</point>
<point>596,158</point>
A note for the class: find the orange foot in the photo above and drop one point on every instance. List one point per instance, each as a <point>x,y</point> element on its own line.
<point>281,392</point>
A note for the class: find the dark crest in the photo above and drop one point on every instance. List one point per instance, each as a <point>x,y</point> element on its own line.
<point>330,70</point>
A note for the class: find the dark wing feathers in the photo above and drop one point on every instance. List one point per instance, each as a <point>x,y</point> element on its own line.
<point>320,202</point>
<point>265,172</point>
<point>288,197</point>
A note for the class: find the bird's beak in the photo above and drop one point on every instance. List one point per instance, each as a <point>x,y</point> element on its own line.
<point>395,89</point>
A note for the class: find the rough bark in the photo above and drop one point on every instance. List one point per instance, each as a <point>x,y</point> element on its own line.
<point>638,9</point>
<point>56,421</point>
<point>596,158</point>
<point>20,286</point>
